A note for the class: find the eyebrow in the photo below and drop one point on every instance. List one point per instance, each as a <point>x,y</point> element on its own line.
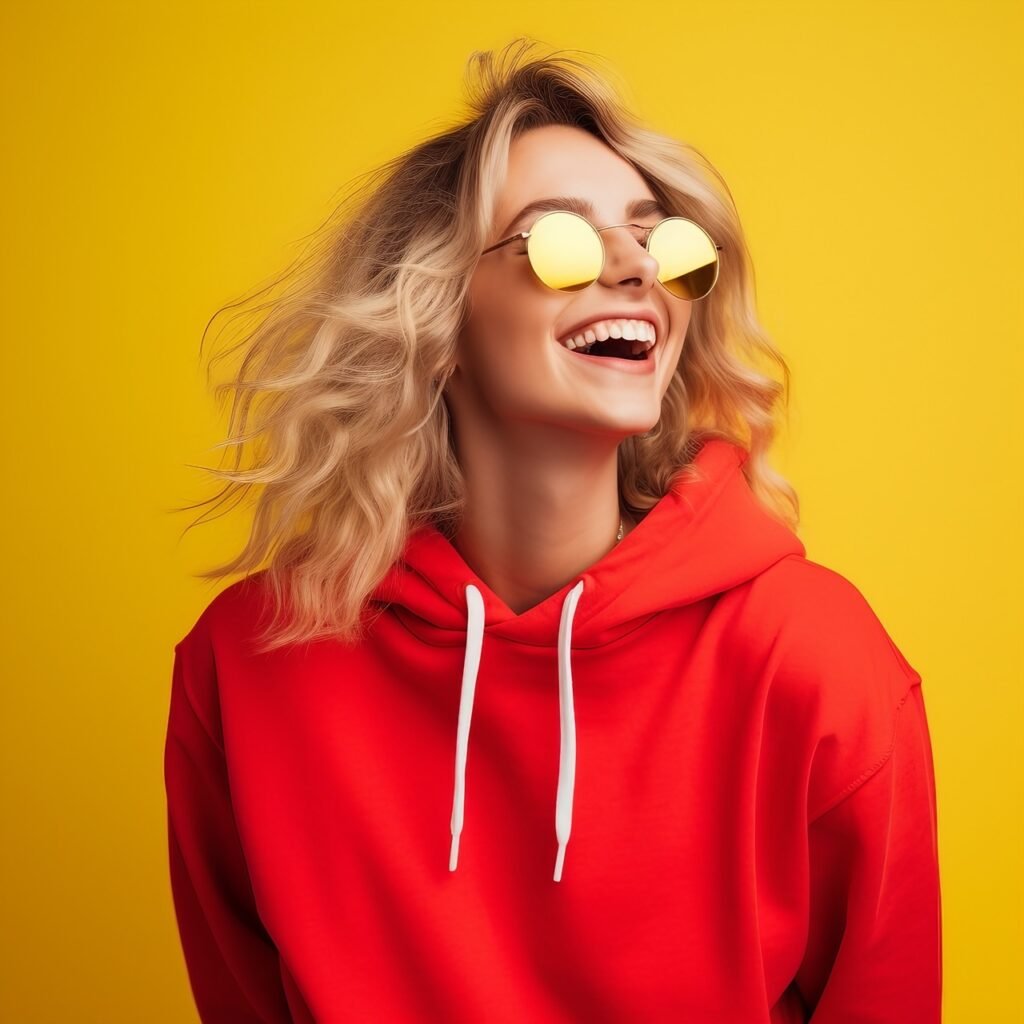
<point>637,208</point>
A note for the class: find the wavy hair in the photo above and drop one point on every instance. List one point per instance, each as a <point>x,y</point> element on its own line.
<point>344,361</point>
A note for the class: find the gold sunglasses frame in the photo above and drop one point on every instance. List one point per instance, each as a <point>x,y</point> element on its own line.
<point>522,235</point>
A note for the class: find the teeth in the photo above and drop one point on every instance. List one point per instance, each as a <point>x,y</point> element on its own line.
<point>640,332</point>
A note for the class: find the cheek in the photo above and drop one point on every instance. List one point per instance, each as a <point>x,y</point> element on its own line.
<point>679,322</point>
<point>509,318</point>
<point>503,350</point>
<point>680,311</point>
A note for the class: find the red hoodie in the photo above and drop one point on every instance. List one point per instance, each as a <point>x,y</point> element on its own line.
<point>695,784</point>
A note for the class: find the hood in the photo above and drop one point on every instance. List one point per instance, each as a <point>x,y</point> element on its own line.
<point>706,535</point>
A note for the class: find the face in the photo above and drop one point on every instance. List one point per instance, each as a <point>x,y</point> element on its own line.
<point>511,366</point>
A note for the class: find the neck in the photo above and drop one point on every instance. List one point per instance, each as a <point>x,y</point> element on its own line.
<point>531,524</point>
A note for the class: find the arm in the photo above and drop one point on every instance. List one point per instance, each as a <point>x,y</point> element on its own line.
<point>232,963</point>
<point>874,945</point>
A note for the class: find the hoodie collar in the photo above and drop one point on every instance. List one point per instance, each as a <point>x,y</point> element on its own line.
<point>706,535</point>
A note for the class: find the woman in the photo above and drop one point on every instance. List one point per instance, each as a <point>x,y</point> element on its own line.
<point>515,490</point>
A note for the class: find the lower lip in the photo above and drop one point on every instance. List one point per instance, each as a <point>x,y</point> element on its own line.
<point>634,366</point>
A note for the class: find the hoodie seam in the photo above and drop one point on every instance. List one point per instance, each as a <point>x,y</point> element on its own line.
<point>399,612</point>
<point>580,646</point>
<point>869,773</point>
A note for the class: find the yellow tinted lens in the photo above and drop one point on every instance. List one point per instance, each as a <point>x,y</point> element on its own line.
<point>686,255</point>
<point>565,251</point>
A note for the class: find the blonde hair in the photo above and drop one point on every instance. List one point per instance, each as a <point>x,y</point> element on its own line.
<point>345,361</point>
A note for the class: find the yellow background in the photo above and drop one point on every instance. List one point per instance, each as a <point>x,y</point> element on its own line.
<point>161,159</point>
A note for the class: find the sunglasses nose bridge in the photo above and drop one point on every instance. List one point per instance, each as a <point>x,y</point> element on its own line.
<point>641,242</point>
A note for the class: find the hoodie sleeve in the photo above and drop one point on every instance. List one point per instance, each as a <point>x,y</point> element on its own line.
<point>874,945</point>
<point>232,963</point>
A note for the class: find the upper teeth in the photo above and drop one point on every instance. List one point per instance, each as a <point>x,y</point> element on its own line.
<point>639,331</point>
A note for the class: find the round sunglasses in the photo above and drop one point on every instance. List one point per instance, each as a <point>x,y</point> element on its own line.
<point>567,252</point>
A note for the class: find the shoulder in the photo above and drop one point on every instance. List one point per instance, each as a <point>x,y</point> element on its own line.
<point>230,612</point>
<point>821,620</point>
<point>215,640</point>
<point>835,669</point>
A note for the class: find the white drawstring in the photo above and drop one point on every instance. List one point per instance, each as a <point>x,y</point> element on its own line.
<point>567,718</point>
<point>474,642</point>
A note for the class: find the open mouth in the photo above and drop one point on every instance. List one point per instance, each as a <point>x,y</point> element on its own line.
<point>614,348</point>
<point>620,339</point>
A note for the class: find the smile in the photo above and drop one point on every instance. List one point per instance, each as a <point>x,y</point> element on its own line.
<point>618,338</point>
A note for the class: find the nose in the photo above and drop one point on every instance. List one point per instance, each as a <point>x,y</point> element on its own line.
<point>626,260</point>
